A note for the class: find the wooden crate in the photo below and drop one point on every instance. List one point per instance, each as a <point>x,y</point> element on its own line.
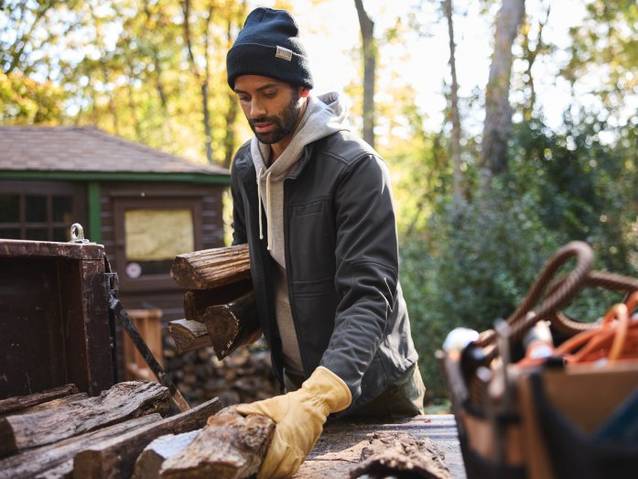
<point>149,324</point>
<point>54,321</point>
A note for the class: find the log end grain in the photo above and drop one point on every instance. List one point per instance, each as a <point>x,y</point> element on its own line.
<point>231,446</point>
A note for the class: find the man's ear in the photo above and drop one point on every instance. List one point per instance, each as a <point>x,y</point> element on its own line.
<point>304,92</point>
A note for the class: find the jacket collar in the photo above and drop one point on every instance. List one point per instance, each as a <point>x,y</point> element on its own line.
<point>246,168</point>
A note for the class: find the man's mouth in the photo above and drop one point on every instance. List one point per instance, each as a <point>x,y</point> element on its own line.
<point>263,127</point>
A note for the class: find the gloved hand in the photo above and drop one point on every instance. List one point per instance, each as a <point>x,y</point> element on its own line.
<point>299,416</point>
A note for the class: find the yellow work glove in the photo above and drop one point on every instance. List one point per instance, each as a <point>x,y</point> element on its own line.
<point>299,416</point>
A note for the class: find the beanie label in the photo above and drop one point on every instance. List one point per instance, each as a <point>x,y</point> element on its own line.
<point>283,53</point>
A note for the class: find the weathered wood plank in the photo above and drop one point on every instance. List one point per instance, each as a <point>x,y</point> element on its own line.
<point>122,401</point>
<point>115,458</point>
<point>339,448</point>
<point>211,268</point>
<point>45,459</point>
<point>55,403</point>
<point>17,403</point>
<point>188,335</point>
<point>392,454</point>
<point>231,446</point>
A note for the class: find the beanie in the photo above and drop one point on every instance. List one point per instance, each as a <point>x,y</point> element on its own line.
<point>268,45</point>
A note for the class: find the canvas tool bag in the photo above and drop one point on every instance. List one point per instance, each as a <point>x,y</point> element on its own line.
<point>572,414</point>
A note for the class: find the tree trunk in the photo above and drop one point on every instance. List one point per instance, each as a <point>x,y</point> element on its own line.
<point>17,403</point>
<point>530,54</point>
<point>202,78</point>
<point>455,142</point>
<point>498,112</point>
<point>369,70</point>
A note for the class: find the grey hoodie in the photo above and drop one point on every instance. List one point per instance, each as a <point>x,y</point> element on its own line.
<point>324,115</point>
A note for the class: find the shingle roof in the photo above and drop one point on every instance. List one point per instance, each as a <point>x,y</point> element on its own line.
<point>86,149</point>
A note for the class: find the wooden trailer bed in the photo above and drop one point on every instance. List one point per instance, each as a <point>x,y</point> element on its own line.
<point>340,445</point>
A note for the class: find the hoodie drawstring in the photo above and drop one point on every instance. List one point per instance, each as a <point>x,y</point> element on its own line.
<point>266,205</point>
<point>261,228</point>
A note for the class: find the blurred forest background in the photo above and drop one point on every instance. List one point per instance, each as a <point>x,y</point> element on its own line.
<point>487,186</point>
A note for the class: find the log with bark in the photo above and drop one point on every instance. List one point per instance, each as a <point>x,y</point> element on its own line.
<point>150,461</point>
<point>197,300</point>
<point>211,268</point>
<point>56,460</point>
<point>188,335</point>
<point>17,403</point>
<point>232,325</point>
<point>229,325</point>
<point>116,458</point>
<point>231,446</point>
<point>122,401</point>
<point>400,455</point>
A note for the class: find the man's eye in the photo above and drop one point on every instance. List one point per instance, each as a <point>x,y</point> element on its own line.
<point>270,94</point>
<point>244,98</point>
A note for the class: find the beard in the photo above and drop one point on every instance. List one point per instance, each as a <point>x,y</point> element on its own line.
<point>283,124</point>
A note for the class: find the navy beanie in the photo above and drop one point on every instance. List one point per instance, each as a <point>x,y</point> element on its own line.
<point>268,45</point>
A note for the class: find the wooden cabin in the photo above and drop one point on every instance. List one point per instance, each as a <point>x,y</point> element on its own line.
<point>145,206</point>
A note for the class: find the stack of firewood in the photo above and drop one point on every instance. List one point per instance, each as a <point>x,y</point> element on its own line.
<point>220,319</point>
<point>243,376</point>
<point>64,433</point>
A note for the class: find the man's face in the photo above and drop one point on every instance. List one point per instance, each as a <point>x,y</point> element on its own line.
<point>271,107</point>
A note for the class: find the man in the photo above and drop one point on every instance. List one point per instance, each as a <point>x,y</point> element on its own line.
<point>313,203</point>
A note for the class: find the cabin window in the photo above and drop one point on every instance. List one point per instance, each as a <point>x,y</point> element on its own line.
<point>38,211</point>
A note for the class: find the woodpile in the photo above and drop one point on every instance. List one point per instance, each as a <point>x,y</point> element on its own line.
<point>243,376</point>
<point>73,435</point>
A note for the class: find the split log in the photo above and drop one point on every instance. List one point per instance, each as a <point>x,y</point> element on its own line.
<point>17,403</point>
<point>148,463</point>
<point>397,455</point>
<point>231,446</point>
<point>232,325</point>
<point>47,461</point>
<point>197,300</point>
<point>211,268</point>
<point>115,458</point>
<point>188,335</point>
<point>122,401</point>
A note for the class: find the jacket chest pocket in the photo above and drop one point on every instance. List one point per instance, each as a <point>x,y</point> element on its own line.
<point>311,240</point>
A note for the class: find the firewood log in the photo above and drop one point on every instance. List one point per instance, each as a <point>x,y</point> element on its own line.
<point>231,446</point>
<point>232,325</point>
<point>211,268</point>
<point>122,401</point>
<point>188,335</point>
<point>115,458</point>
<point>17,403</point>
<point>150,461</point>
<point>58,458</point>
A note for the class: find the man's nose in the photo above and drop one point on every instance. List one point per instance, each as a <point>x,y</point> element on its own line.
<point>256,109</point>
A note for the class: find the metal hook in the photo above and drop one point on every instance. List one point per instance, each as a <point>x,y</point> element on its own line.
<point>77,234</point>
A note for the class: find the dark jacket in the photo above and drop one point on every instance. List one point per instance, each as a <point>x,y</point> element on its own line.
<point>341,262</point>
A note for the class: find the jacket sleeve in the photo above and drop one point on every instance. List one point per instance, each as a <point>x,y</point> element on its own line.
<point>239,218</point>
<point>366,269</point>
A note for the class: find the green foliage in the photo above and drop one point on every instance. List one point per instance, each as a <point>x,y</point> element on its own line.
<point>473,262</point>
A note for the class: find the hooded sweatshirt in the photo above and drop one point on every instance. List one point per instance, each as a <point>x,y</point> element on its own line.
<point>324,115</point>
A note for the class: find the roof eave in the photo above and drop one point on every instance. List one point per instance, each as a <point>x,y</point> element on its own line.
<point>181,177</point>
